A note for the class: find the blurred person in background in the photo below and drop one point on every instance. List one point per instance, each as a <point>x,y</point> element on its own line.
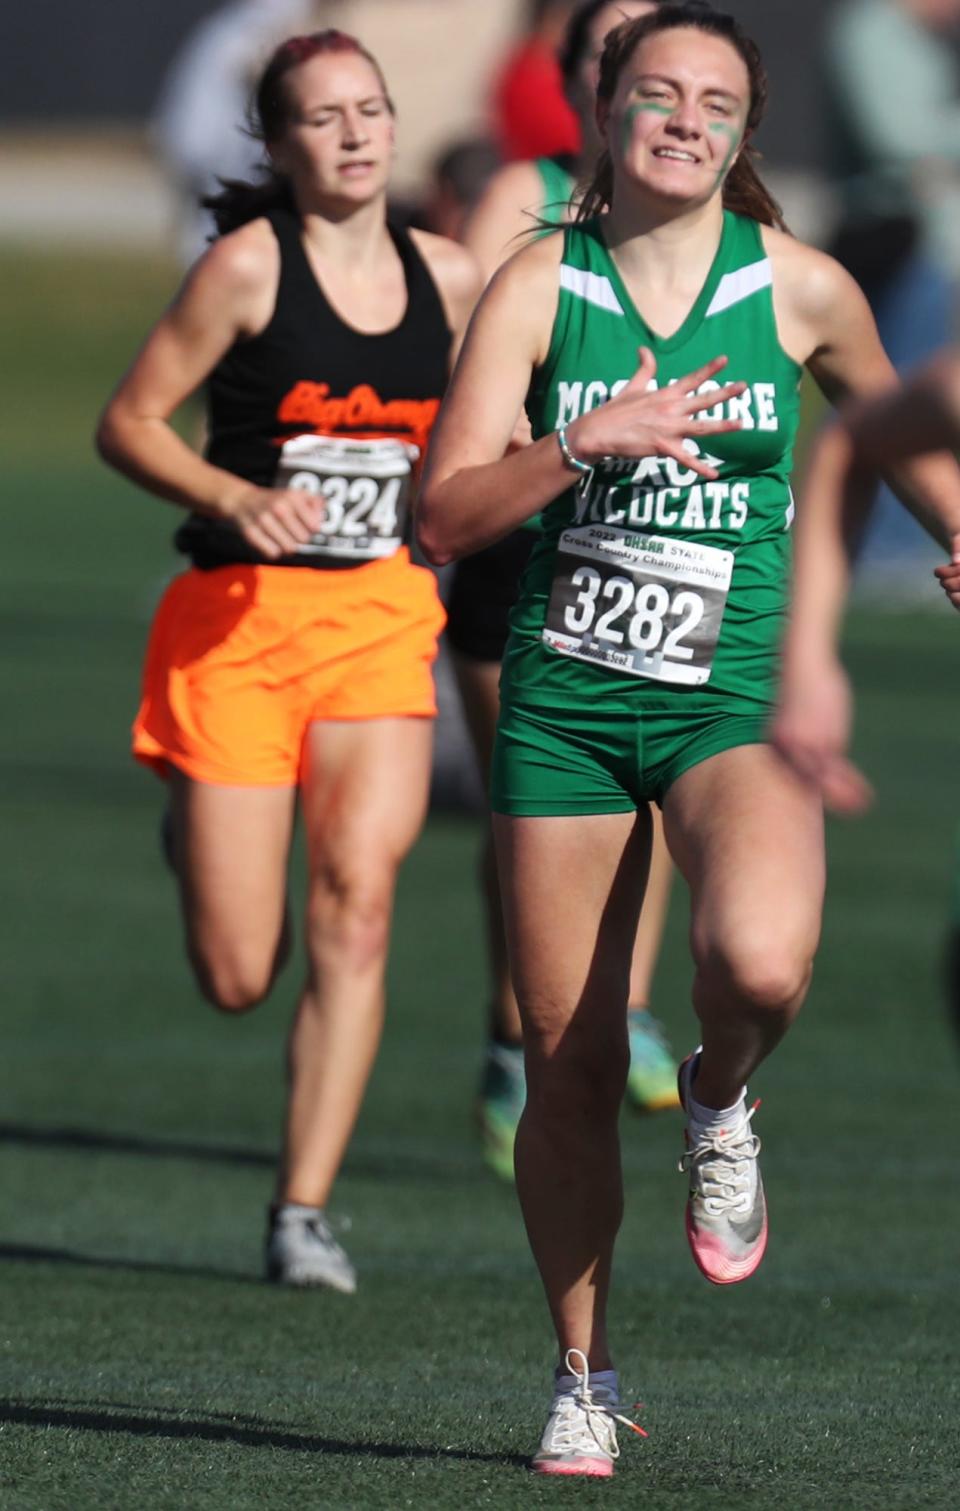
<point>201,120</point>
<point>459,178</point>
<point>893,138</point>
<point>531,114</point>
<point>293,659</point>
<point>814,718</point>
<point>542,186</point>
<point>642,667</point>
<point>484,589</point>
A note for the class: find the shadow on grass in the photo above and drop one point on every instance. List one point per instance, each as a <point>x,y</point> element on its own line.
<point>90,1140</point>
<point>267,1435</point>
<point>360,1164</point>
<point>23,1253</point>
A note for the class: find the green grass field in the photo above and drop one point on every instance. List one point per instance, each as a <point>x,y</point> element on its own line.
<point>143,1364</point>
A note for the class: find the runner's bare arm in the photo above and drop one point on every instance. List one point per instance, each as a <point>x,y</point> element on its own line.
<point>458,279</point>
<point>472,493</point>
<point>814,718</point>
<point>825,321</point>
<point>228,294</point>
<point>826,324</point>
<point>921,417</point>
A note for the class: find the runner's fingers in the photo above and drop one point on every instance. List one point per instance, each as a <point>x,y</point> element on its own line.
<point>687,459</point>
<point>645,373</point>
<point>711,427</point>
<point>703,374</point>
<point>844,787</point>
<point>695,402</point>
<point>286,512</point>
<point>807,758</point>
<point>260,540</point>
<point>277,533</point>
<point>949,579</point>
<point>307,508</point>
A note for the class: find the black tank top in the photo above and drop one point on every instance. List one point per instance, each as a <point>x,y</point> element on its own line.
<point>309,373</point>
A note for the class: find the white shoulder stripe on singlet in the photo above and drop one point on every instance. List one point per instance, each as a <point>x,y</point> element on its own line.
<point>590,286</point>
<point>733,287</point>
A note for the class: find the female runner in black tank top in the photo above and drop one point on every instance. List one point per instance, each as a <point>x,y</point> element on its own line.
<point>296,653</point>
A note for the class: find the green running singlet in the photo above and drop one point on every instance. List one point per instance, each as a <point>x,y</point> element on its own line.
<point>654,598</point>
<point>558,186</point>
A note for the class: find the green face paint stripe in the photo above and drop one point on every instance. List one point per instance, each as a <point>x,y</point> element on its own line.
<point>721,128</point>
<point>631,113</point>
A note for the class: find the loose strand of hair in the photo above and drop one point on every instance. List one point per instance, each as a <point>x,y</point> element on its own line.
<point>599,190</point>
<point>239,202</point>
<point>745,193</point>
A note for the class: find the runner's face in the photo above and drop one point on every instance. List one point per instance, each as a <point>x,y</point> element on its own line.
<point>676,123</point>
<point>339,143</point>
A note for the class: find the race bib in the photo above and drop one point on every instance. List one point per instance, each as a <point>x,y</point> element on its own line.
<point>643,604</point>
<point>365,486</point>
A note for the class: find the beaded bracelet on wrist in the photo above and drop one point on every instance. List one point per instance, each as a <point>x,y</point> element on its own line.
<point>567,454</point>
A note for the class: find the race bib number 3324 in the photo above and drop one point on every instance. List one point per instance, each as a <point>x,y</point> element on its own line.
<point>648,605</point>
<point>365,488</point>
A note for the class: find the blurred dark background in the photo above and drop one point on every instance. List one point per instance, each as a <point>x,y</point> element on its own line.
<point>102,61</point>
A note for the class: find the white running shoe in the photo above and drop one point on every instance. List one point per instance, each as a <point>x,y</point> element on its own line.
<point>581,1433</point>
<point>726,1211</point>
<point>301,1250</point>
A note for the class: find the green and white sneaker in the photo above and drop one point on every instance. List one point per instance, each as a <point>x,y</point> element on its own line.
<point>652,1078</point>
<point>301,1250</point>
<point>581,1432</point>
<point>503,1092</point>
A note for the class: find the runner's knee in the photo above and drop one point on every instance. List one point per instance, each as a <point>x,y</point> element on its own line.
<point>578,1077</point>
<point>762,977</point>
<point>348,916</point>
<point>236,980</point>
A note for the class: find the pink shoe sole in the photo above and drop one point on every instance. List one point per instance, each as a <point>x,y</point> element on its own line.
<point>713,1261</point>
<point>595,1468</point>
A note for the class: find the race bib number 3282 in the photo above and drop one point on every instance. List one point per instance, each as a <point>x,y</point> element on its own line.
<point>365,488</point>
<point>648,605</point>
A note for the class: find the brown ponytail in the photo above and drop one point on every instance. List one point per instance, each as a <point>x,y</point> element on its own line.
<point>743,191</point>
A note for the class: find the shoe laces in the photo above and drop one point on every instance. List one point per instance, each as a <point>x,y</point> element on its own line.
<point>722,1164</point>
<point>582,1420</point>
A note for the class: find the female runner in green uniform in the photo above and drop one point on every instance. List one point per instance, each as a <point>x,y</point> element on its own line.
<point>642,659</point>
<point>483,590</point>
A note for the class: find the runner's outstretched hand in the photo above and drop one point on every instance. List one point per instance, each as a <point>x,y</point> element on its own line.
<point>949,575</point>
<point>811,731</point>
<point>643,421</point>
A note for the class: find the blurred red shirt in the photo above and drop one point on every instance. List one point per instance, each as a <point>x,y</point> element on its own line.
<point>531,115</point>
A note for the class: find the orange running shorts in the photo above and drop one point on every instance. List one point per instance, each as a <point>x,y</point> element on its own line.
<point>243,658</point>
